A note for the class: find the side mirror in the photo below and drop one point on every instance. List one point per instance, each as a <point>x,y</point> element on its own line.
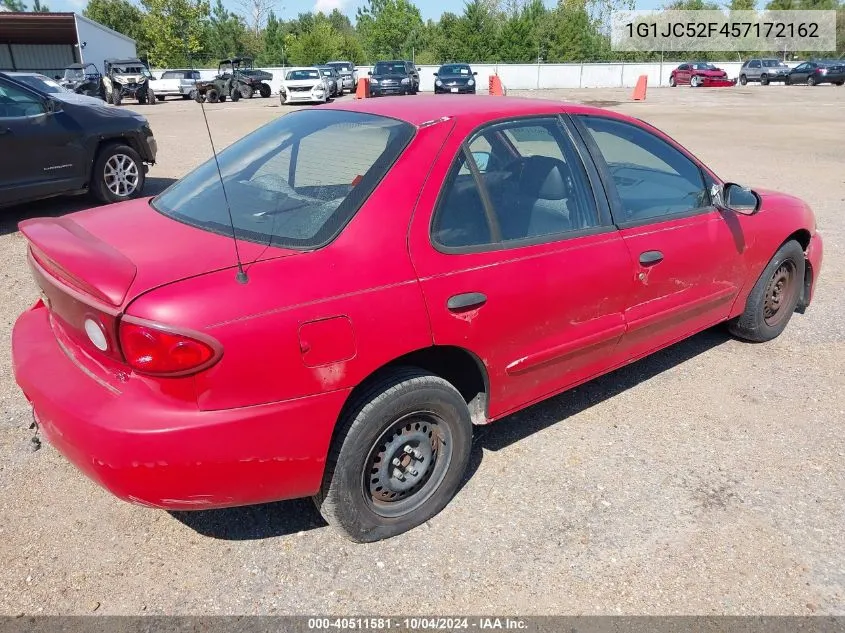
<point>482,160</point>
<point>737,198</point>
<point>370,73</point>
<point>474,73</point>
<point>435,74</point>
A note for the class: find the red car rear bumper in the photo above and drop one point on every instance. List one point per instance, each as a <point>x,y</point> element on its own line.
<point>149,450</point>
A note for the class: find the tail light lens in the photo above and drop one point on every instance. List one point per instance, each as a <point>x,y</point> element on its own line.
<point>151,348</point>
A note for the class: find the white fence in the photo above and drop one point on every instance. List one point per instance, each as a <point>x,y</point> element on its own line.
<point>543,76</point>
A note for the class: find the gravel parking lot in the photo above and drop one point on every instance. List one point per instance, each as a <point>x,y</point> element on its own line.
<point>709,478</point>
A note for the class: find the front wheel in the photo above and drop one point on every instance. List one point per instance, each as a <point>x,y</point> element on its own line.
<point>743,80</point>
<point>398,456</point>
<point>839,83</point>
<point>695,81</point>
<point>212,96</point>
<point>264,90</point>
<point>235,95</point>
<point>774,297</point>
<point>764,80</point>
<point>118,174</point>
<point>246,91</point>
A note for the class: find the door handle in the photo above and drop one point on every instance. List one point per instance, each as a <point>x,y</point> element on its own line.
<point>650,258</point>
<point>466,301</point>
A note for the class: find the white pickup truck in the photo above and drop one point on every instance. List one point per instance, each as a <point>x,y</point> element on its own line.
<point>176,83</point>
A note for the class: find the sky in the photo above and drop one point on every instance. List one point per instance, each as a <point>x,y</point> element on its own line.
<point>288,9</point>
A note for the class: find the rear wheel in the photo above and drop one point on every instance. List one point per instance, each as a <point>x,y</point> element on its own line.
<point>839,83</point>
<point>811,81</point>
<point>118,174</point>
<point>246,91</point>
<point>235,94</point>
<point>743,79</point>
<point>672,82</point>
<point>398,456</point>
<point>774,297</point>
<point>264,90</point>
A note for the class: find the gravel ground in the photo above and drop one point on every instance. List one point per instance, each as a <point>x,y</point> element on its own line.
<point>705,479</point>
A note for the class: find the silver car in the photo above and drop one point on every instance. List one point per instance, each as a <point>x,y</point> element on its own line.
<point>763,70</point>
<point>348,73</point>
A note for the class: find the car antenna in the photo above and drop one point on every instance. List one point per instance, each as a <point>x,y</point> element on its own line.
<point>241,276</point>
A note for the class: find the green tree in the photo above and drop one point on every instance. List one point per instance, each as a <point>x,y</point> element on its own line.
<point>121,16</point>
<point>387,27</point>
<point>175,30</point>
<point>37,7</point>
<point>273,48</point>
<point>476,32</point>
<point>316,46</point>
<point>14,5</point>
<point>226,35</point>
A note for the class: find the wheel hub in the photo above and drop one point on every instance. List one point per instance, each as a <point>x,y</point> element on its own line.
<point>121,175</point>
<point>403,463</point>
<point>777,293</point>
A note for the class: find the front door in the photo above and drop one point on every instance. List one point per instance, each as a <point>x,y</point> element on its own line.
<point>687,254</point>
<point>518,259</point>
<point>40,152</point>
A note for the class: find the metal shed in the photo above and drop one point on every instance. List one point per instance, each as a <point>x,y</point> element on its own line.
<point>48,42</point>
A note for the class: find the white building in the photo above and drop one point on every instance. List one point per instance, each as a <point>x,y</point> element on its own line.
<point>48,42</point>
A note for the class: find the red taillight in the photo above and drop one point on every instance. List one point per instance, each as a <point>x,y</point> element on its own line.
<point>152,349</point>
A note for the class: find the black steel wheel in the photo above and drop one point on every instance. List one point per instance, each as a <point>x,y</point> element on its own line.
<point>398,455</point>
<point>774,297</point>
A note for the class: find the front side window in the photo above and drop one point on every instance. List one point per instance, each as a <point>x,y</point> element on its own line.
<point>755,64</point>
<point>284,189</point>
<point>514,183</point>
<point>15,102</point>
<point>652,178</point>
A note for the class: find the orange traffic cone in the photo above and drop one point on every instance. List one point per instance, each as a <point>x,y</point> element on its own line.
<point>496,88</point>
<point>363,89</point>
<point>640,88</point>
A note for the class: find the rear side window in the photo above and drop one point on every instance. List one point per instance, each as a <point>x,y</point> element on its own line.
<point>519,182</point>
<point>285,189</point>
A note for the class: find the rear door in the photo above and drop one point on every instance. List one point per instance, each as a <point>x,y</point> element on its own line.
<point>687,255</point>
<point>41,152</point>
<point>518,260</point>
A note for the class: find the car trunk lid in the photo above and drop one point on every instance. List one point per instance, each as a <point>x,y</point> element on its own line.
<point>104,258</point>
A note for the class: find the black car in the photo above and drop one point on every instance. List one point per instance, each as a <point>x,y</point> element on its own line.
<point>818,72</point>
<point>64,143</point>
<point>454,78</point>
<point>394,78</point>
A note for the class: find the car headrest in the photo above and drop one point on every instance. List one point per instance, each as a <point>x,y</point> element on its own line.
<point>544,177</point>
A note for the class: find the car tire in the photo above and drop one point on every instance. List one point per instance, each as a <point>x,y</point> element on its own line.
<point>151,97</point>
<point>116,98</point>
<point>672,82</point>
<point>743,80</point>
<point>811,81</point>
<point>282,98</point>
<point>839,83</point>
<point>695,81</point>
<point>246,91</point>
<point>773,298</point>
<point>365,494</point>
<point>264,90</point>
<point>235,95</point>
<point>222,99</point>
<point>764,80</point>
<point>212,96</point>
<point>117,158</point>
<point>198,96</point>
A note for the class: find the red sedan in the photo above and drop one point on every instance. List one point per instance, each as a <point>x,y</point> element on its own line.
<point>447,264</point>
<point>698,74</point>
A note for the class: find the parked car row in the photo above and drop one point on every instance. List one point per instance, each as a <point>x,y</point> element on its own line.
<point>763,71</point>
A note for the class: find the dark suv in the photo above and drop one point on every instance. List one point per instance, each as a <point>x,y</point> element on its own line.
<point>64,143</point>
<point>394,77</point>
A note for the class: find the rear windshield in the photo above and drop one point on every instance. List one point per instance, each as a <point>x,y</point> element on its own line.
<point>177,74</point>
<point>342,67</point>
<point>284,188</point>
<point>296,75</point>
<point>390,68</point>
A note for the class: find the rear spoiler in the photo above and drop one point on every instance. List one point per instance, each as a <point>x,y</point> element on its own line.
<point>75,256</point>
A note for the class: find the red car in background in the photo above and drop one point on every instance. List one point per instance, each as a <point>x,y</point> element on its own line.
<point>454,261</point>
<point>697,74</point>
